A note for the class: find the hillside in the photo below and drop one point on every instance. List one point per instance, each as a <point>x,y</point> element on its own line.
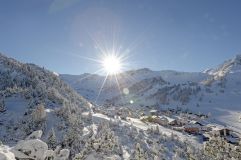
<point>215,91</point>
<point>35,101</point>
<point>33,98</point>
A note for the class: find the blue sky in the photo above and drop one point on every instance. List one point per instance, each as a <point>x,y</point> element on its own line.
<point>183,35</point>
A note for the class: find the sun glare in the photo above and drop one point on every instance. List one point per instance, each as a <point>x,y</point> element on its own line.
<point>112,64</point>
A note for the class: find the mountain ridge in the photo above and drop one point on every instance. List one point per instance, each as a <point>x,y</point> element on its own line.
<point>33,98</point>
<point>110,126</point>
<point>198,91</point>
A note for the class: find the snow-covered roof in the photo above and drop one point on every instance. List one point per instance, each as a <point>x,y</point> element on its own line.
<point>143,117</point>
<point>168,118</point>
<point>196,122</point>
<point>216,127</point>
<point>153,111</point>
<point>192,126</point>
<point>193,122</point>
<point>232,139</point>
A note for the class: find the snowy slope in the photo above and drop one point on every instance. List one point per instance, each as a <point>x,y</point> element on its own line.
<point>89,85</point>
<point>33,98</point>
<point>215,91</point>
<point>229,66</point>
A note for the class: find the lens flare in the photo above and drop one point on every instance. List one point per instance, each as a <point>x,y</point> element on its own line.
<point>112,64</point>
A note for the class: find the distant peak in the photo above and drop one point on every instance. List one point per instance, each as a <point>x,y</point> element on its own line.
<point>237,59</point>
<point>2,56</point>
<point>234,61</point>
<point>229,66</point>
<point>144,70</point>
<point>141,70</point>
<point>238,56</point>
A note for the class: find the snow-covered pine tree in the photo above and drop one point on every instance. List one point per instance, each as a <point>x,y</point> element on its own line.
<point>89,118</point>
<point>104,142</point>
<point>2,104</point>
<point>52,141</point>
<point>39,114</point>
<point>138,153</point>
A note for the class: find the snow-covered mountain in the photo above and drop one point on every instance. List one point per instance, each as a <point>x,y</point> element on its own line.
<point>89,85</point>
<point>33,98</point>
<point>228,67</point>
<point>216,91</point>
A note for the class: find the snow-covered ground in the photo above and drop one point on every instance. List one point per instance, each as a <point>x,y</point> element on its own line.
<point>33,98</point>
<point>98,117</point>
<point>216,91</point>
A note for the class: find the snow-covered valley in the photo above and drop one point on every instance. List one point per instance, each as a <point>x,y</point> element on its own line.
<point>148,115</point>
<point>214,91</point>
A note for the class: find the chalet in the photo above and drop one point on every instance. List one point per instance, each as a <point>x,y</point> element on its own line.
<point>165,120</point>
<point>229,135</point>
<point>180,129</point>
<point>202,125</point>
<point>206,136</point>
<point>172,121</point>
<point>181,121</point>
<point>161,121</point>
<point>232,139</point>
<point>196,122</point>
<point>220,131</point>
<point>192,128</point>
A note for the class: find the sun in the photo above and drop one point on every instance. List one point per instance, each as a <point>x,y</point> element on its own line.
<point>112,64</point>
